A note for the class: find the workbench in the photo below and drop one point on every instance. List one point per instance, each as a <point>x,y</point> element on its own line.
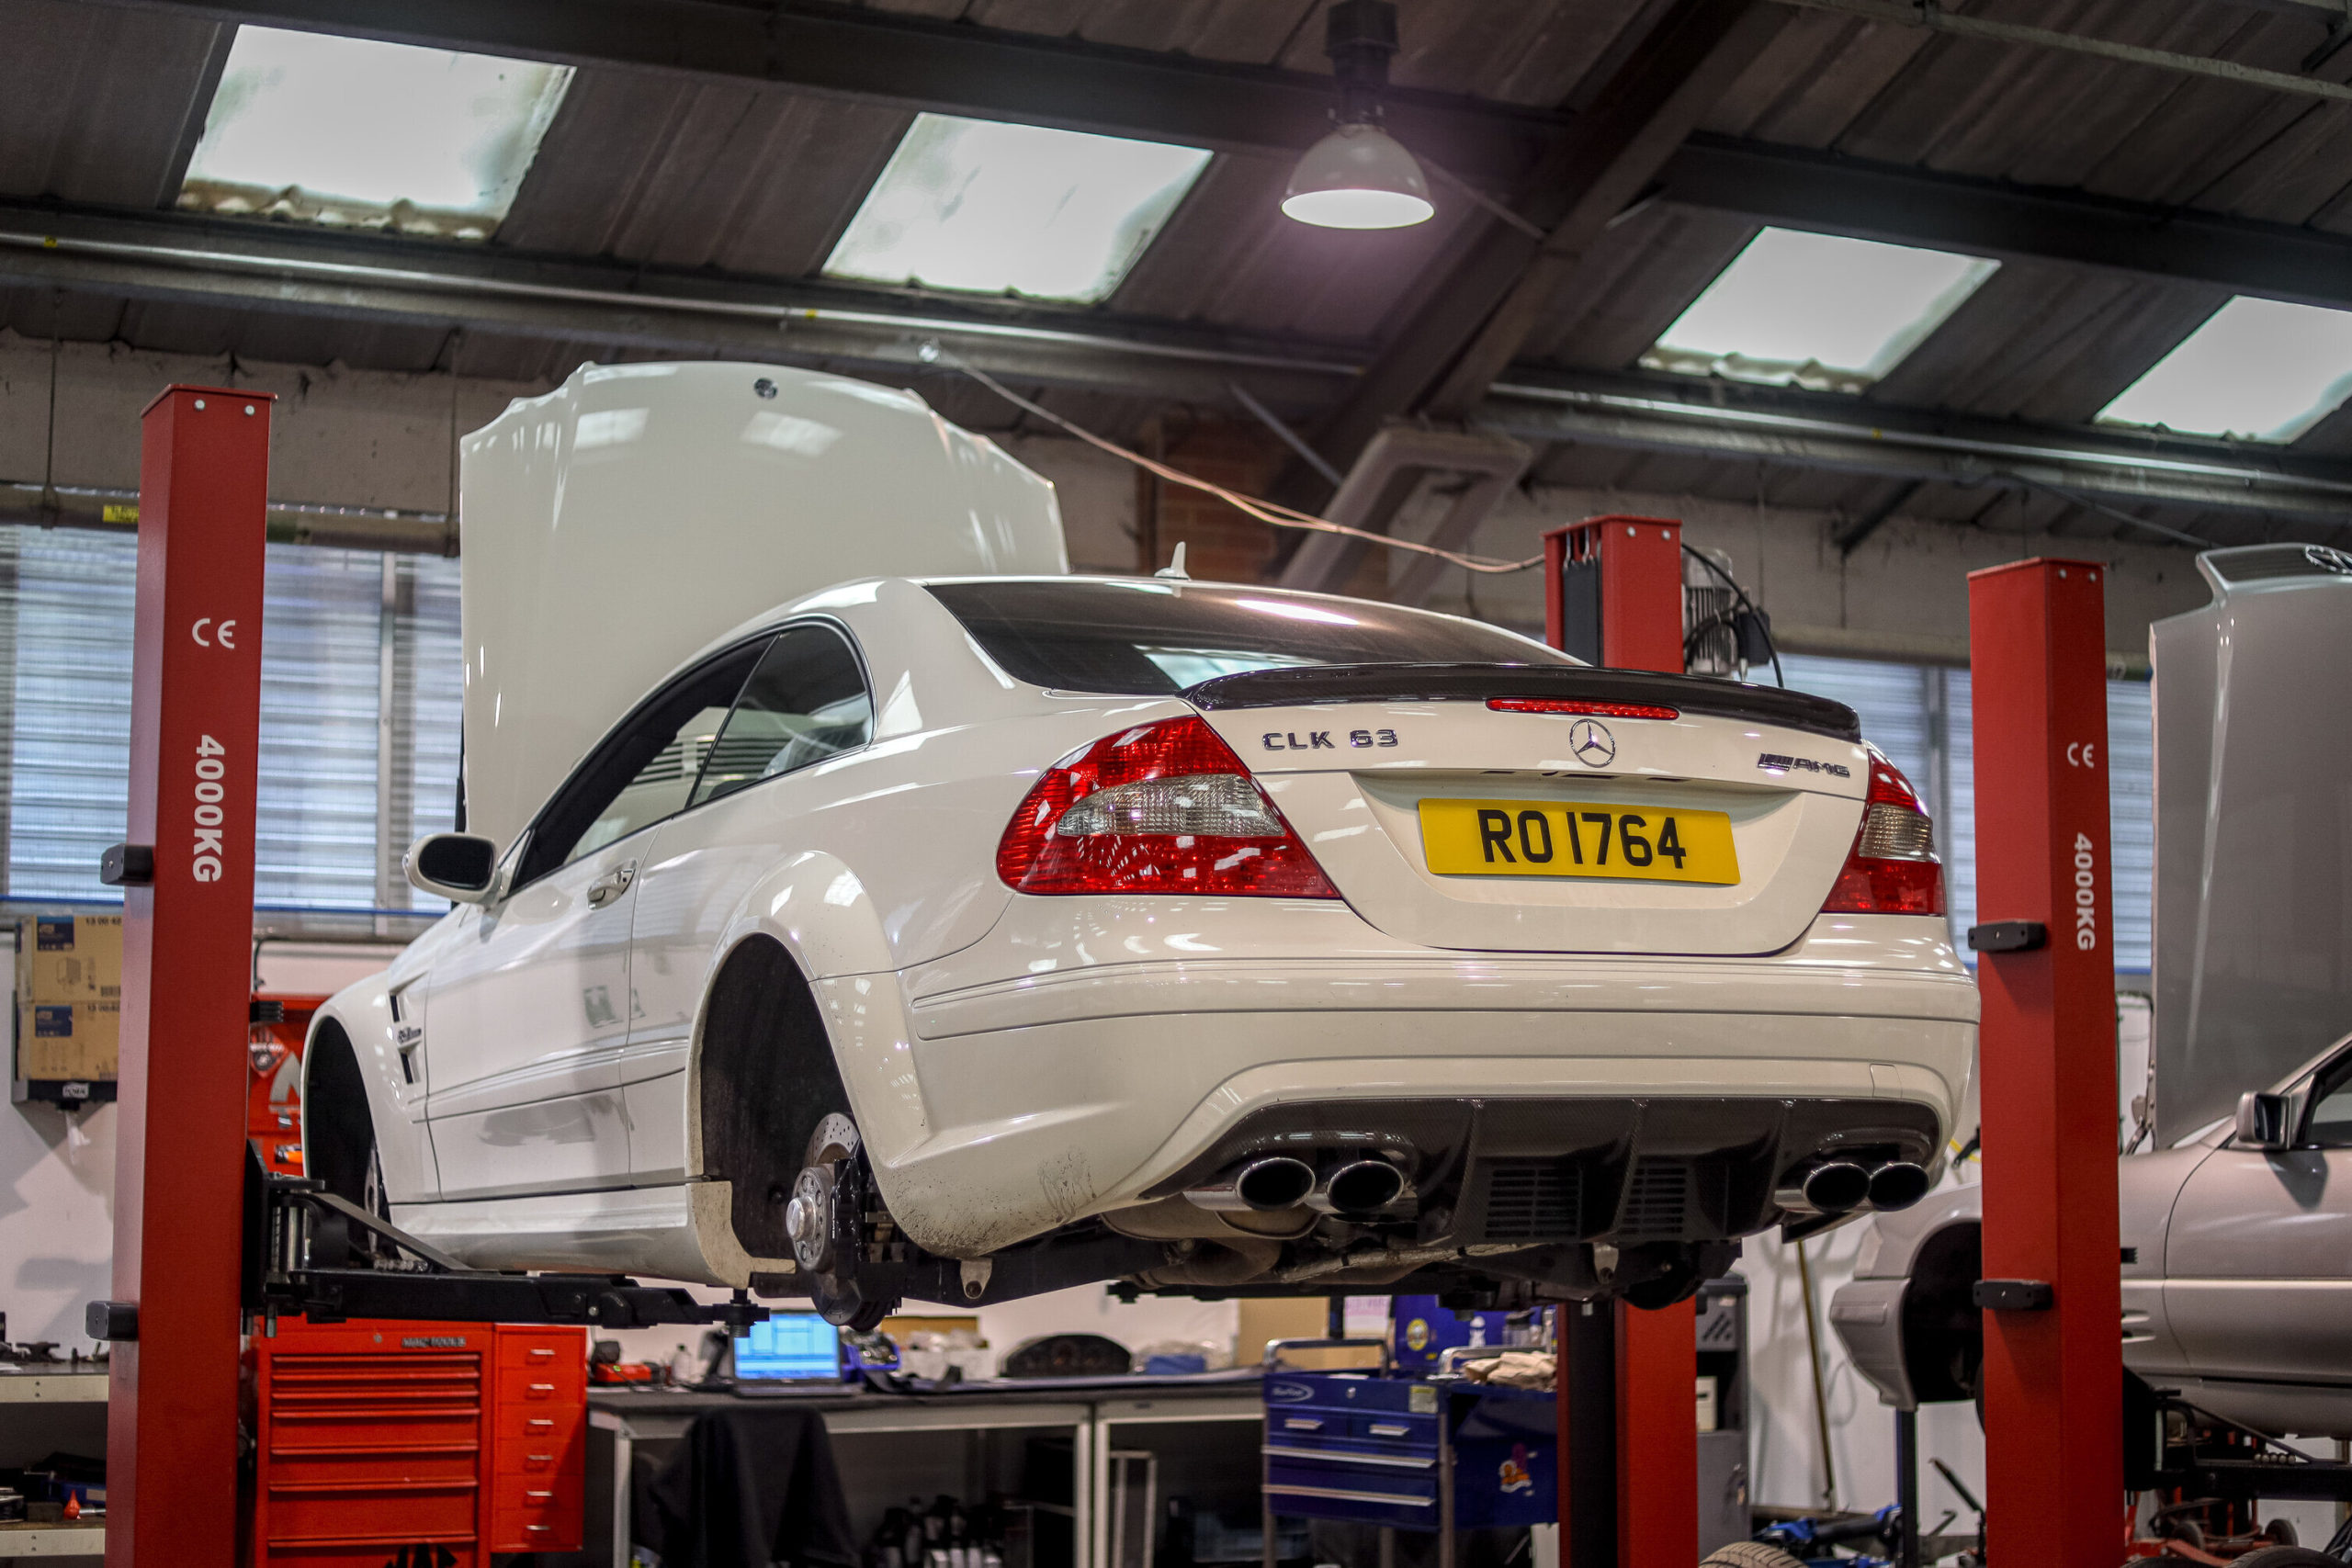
<point>44,1407</point>
<point>1085,1412</point>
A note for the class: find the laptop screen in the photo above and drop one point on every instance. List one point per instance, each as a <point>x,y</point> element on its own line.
<point>790,1345</point>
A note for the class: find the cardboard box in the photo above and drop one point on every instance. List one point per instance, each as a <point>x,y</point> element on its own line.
<point>69,958</point>
<point>68,1040</point>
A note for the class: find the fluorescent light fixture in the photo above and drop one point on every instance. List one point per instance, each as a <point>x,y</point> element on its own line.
<point>1816,310</point>
<point>355,134</point>
<point>2258,369</point>
<point>993,209</point>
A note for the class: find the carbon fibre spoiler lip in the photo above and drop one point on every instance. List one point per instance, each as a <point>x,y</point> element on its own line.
<point>1320,684</point>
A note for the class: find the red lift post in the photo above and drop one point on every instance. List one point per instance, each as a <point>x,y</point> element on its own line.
<point>2054,1380</point>
<point>186,872</point>
<point>1628,1423</point>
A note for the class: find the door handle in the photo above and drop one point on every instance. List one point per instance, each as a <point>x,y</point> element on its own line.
<point>612,884</point>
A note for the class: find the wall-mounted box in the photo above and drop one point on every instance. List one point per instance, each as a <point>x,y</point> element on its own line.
<point>68,1009</point>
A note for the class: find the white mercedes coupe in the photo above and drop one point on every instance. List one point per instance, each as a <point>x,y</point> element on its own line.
<point>960,938</point>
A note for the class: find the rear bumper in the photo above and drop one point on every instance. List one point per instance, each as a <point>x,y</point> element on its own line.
<point>1056,1095</point>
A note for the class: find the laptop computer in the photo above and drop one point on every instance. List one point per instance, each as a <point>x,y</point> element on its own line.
<point>789,1349</point>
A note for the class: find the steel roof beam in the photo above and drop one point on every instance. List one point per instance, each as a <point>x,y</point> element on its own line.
<point>167,256</point>
<point>259,265</point>
<point>1812,433</point>
<point>919,63</point>
<point>1805,189</point>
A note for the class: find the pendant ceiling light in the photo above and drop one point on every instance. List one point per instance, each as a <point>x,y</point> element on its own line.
<point>1358,177</point>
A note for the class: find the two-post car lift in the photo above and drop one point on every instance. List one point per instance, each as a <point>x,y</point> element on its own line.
<point>191,1205</point>
<point>207,1243</point>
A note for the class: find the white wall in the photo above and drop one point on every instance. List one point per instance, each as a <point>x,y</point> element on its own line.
<point>57,1172</point>
<point>56,1219</point>
<point>1784,1446</point>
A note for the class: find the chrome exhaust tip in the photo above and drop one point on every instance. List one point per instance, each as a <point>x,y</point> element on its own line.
<point>1270,1181</point>
<point>1358,1186</point>
<point>1837,1186</point>
<point>1897,1186</point>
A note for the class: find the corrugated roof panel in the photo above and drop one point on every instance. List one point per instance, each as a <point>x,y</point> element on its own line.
<point>1804,86</point>
<point>1232,259</point>
<point>101,103</point>
<point>1633,282</point>
<point>2048,343</point>
<point>1253,32</point>
<point>746,178</point>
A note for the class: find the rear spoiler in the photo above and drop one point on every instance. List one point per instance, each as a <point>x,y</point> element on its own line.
<point>1307,684</point>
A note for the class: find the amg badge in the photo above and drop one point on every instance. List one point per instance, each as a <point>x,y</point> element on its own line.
<point>1773,762</point>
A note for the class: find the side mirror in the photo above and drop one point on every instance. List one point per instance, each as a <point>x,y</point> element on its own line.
<point>455,866</point>
<point>2262,1122</point>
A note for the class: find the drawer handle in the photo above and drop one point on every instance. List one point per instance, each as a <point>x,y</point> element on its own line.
<point>1297,1423</point>
<point>542,1354</point>
<point>540,1459</point>
<point>546,1388</point>
<point>540,1496</point>
<point>541,1422</point>
<point>543,1530</point>
<point>1381,1429</point>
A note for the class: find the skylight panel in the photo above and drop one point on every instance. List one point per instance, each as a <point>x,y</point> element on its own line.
<point>354,134</point>
<point>2258,369</point>
<point>979,206</point>
<point>1816,310</point>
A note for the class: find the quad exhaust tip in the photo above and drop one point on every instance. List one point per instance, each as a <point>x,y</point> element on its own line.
<point>1358,1186</point>
<point>1836,1187</point>
<point>1897,1186</point>
<point>1840,1187</point>
<point>1270,1181</point>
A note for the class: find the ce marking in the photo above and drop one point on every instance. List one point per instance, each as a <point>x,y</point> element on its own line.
<point>224,635</point>
<point>2078,753</point>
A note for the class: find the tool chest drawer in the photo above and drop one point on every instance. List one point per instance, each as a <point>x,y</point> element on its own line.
<point>1322,1489</point>
<point>530,1513</point>
<point>371,1442</point>
<point>539,1449</point>
<point>1379,1449</point>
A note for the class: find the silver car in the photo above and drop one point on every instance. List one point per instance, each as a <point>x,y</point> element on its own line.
<point>2237,1269</point>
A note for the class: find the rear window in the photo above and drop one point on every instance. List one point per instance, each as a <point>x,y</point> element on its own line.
<point>1155,638</point>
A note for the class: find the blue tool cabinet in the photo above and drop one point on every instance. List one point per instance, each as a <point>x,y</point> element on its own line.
<point>1406,1452</point>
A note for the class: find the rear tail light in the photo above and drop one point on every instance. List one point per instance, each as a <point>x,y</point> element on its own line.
<point>1163,807</point>
<point>1892,869</point>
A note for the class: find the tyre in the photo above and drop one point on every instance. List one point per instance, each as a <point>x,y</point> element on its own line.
<point>1749,1554</point>
<point>339,1133</point>
<point>2287,1557</point>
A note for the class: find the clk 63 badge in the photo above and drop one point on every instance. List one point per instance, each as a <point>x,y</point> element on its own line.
<point>1321,739</point>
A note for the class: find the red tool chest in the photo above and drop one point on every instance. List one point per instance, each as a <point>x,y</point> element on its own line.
<point>377,1435</point>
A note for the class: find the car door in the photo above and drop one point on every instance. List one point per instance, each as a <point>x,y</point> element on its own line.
<point>806,703</point>
<point>2258,1256</point>
<point>530,1004</point>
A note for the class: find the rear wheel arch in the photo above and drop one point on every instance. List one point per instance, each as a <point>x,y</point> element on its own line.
<point>764,1074</point>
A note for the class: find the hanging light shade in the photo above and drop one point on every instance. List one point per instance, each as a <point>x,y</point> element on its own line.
<point>1358,177</point>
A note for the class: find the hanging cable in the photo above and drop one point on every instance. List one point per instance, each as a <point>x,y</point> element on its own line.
<point>1762,623</point>
<point>1266,511</point>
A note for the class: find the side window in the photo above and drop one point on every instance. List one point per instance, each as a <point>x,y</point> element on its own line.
<point>2329,1125</point>
<point>805,702</point>
<point>642,773</point>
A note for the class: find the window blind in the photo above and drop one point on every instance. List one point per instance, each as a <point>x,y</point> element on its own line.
<point>66,602</point>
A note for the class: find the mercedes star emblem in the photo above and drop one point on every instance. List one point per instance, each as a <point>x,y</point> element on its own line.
<point>1592,743</point>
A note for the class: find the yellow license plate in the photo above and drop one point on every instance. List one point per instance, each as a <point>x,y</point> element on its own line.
<point>1526,838</point>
